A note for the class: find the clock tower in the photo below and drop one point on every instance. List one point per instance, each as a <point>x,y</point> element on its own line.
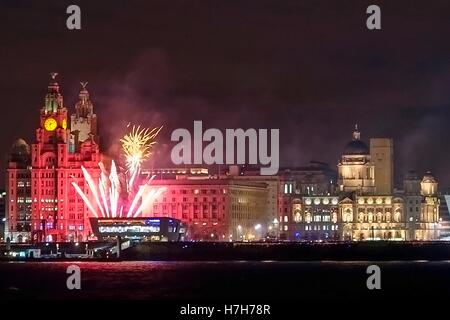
<point>58,213</point>
<point>53,120</point>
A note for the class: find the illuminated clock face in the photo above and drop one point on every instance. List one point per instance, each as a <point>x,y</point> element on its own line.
<point>50,124</point>
<point>64,124</point>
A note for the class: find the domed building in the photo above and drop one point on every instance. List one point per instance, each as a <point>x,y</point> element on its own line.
<point>18,191</point>
<point>428,185</point>
<point>20,153</point>
<point>366,206</point>
<point>356,171</point>
<point>356,146</point>
<point>427,227</point>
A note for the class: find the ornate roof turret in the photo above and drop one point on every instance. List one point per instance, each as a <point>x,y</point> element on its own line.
<point>83,107</point>
<point>53,98</point>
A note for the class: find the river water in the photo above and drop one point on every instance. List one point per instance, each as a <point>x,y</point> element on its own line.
<point>222,280</point>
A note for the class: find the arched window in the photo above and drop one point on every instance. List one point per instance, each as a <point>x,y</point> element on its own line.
<point>297,216</point>
<point>388,217</point>
<point>50,161</point>
<point>361,217</point>
<point>334,217</point>
<point>308,217</point>
<point>379,216</point>
<point>348,216</point>
<point>397,215</point>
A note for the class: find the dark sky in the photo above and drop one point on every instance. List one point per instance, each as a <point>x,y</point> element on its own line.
<point>310,68</point>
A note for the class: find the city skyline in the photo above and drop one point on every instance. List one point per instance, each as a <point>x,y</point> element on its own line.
<point>220,159</point>
<point>62,188</point>
<point>304,76</point>
<point>112,150</point>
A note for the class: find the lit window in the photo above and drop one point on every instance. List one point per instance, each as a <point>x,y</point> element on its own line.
<point>285,228</point>
<point>285,218</point>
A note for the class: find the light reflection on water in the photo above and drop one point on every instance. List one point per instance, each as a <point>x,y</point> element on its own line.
<point>218,280</point>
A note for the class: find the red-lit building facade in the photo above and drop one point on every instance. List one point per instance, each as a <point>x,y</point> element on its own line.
<point>42,204</point>
<point>214,208</point>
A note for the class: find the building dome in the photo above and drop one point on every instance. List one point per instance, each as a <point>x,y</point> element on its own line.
<point>20,146</point>
<point>356,146</point>
<point>428,177</point>
<point>20,153</point>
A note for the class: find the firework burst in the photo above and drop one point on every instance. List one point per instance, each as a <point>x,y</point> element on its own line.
<point>137,147</point>
<point>106,194</point>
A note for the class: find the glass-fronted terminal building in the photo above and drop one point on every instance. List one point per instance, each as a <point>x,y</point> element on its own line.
<point>141,229</point>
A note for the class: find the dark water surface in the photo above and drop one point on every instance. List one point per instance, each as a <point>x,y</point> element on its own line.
<point>223,280</point>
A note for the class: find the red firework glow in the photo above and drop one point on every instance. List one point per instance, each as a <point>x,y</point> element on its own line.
<point>106,194</point>
<point>107,202</point>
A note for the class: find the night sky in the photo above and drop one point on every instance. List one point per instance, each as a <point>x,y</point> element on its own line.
<point>310,68</point>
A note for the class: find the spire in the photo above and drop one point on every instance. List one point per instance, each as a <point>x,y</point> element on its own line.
<point>356,133</point>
